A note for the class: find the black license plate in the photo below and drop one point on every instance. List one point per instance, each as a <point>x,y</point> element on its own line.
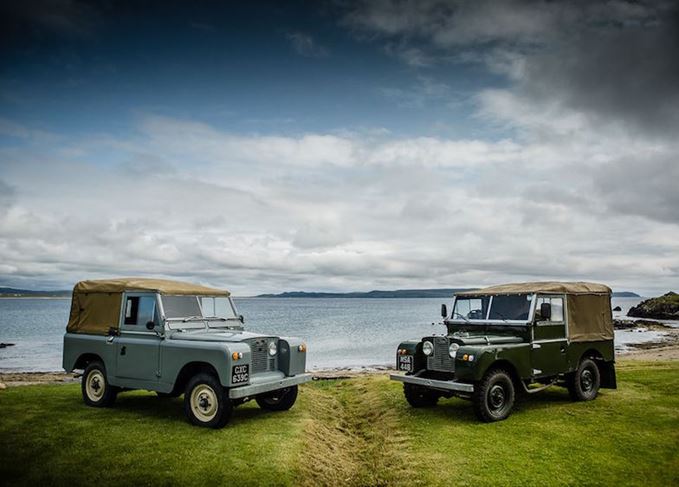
<point>240,373</point>
<point>405,362</point>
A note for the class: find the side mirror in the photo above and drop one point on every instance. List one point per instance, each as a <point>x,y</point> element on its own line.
<point>545,311</point>
<point>444,311</point>
<point>112,332</point>
<point>150,325</point>
<point>241,318</point>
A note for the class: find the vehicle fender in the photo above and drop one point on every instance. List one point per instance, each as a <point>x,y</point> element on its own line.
<point>291,361</point>
<point>78,345</point>
<point>414,348</point>
<point>516,356</point>
<point>176,354</point>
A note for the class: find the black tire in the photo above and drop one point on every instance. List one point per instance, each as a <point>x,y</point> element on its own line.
<point>584,383</point>
<point>420,397</point>
<point>96,390</point>
<point>494,396</point>
<point>279,400</point>
<point>206,402</point>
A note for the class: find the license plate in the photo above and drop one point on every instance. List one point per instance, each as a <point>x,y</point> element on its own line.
<point>405,362</point>
<point>240,373</point>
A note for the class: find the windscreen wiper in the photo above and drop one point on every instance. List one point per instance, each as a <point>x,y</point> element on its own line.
<point>192,318</point>
<point>214,318</point>
<point>462,316</point>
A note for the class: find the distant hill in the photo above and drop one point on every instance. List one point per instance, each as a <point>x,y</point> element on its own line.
<point>7,292</point>
<point>399,293</point>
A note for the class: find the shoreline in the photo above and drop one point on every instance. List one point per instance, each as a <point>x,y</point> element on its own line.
<point>666,350</point>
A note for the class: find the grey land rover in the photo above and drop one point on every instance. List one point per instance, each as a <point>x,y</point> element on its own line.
<point>177,338</point>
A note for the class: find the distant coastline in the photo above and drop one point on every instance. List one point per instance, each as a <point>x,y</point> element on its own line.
<point>6,292</point>
<point>9,292</point>
<point>399,293</point>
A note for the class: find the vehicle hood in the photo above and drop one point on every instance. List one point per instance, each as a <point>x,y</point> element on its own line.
<point>486,339</point>
<point>215,335</point>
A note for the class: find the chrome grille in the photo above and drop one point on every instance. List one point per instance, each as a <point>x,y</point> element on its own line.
<point>261,361</point>
<point>440,360</point>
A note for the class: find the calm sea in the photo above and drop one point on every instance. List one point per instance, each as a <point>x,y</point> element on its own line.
<point>340,332</point>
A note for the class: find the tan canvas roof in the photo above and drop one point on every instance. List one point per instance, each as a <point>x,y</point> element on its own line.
<point>162,286</point>
<point>541,287</point>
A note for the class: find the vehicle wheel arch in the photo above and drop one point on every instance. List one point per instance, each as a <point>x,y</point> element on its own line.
<point>189,370</point>
<point>85,359</point>
<point>606,368</point>
<point>508,366</point>
<point>592,353</point>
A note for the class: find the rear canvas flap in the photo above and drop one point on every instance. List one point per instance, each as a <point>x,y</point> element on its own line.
<point>590,317</point>
<point>94,313</point>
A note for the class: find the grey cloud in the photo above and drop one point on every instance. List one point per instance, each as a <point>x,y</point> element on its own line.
<point>411,55</point>
<point>305,45</point>
<point>648,188</point>
<point>622,74</point>
<point>398,212</point>
<point>615,61</point>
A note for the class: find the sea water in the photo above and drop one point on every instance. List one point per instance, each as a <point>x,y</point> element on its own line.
<point>340,332</point>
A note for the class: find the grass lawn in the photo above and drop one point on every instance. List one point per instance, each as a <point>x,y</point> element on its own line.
<point>351,432</point>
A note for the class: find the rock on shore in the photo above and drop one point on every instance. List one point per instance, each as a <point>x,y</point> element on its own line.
<point>665,307</point>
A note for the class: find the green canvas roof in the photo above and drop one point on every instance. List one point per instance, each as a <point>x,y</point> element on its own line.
<point>588,305</point>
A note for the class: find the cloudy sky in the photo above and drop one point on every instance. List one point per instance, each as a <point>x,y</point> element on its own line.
<point>343,145</point>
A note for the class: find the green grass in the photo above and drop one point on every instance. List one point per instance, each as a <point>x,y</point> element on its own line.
<point>349,432</point>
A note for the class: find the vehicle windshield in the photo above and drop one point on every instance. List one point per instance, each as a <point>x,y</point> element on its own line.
<point>513,307</point>
<point>198,312</point>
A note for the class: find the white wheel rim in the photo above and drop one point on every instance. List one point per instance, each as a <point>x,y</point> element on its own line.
<point>204,402</point>
<point>95,385</point>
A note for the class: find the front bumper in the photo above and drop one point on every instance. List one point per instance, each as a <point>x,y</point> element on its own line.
<point>272,384</point>
<point>444,385</point>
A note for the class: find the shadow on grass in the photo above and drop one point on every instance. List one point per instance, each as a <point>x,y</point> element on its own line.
<point>525,404</point>
<point>150,405</point>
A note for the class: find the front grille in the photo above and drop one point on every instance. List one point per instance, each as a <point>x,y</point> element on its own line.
<point>440,360</point>
<point>261,361</point>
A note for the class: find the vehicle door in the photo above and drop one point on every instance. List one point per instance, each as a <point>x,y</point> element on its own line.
<point>548,349</point>
<point>138,346</point>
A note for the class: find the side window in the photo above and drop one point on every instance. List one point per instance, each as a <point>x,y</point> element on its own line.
<point>139,310</point>
<point>131,310</point>
<point>557,308</point>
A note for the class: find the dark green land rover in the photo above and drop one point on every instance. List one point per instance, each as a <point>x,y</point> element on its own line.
<point>513,338</point>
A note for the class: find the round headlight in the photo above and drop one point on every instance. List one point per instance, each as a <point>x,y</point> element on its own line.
<point>452,349</point>
<point>272,348</point>
<point>428,348</point>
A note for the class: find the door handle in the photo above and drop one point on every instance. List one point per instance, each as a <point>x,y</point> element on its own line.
<point>123,350</point>
<point>563,349</point>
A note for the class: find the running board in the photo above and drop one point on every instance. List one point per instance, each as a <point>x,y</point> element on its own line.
<point>537,389</point>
